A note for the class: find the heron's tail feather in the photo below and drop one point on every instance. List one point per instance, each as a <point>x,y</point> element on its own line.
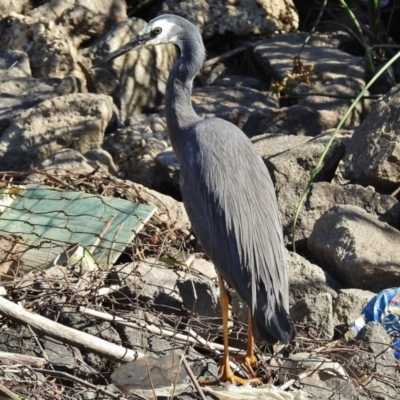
<point>278,328</point>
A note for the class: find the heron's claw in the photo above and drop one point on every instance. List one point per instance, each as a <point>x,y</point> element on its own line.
<point>249,361</point>
<point>226,374</point>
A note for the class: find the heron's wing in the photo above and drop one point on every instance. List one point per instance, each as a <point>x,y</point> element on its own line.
<point>231,202</point>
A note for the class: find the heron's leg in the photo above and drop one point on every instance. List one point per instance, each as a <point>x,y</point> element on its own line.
<point>225,369</point>
<point>249,360</point>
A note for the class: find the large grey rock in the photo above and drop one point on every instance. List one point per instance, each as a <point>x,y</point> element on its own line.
<point>325,195</point>
<point>372,156</point>
<point>241,18</point>
<point>51,52</point>
<point>311,294</point>
<point>358,247</point>
<point>82,20</point>
<point>75,121</point>
<point>22,93</point>
<point>290,169</point>
<point>137,80</point>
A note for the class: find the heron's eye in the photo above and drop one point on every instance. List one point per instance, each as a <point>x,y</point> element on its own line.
<point>156,32</point>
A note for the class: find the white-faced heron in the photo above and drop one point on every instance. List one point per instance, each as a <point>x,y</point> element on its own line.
<point>228,194</point>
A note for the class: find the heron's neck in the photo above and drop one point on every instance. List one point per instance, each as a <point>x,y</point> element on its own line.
<point>179,109</point>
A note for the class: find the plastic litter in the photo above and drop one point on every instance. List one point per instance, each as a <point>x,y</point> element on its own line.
<point>385,309</point>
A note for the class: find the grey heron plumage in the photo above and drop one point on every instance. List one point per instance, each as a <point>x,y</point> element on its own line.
<point>226,188</point>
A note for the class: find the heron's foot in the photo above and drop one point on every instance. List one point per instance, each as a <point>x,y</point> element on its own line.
<point>249,361</point>
<point>226,375</point>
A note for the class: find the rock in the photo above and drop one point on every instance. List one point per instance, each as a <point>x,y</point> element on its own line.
<point>373,357</point>
<point>269,145</point>
<point>325,195</point>
<point>82,20</point>
<point>193,291</point>
<point>76,121</point>
<point>51,53</point>
<point>201,297</point>
<point>232,103</point>
<point>228,80</point>
<point>58,354</point>
<point>372,156</point>
<point>18,339</point>
<point>325,378</point>
<point>17,6</point>
<point>205,268</point>
<point>330,389</point>
<point>290,169</point>
<point>323,69</point>
<point>135,147</point>
<point>307,279</point>
<point>136,81</point>
<point>376,341</point>
<point>294,120</point>
<point>102,160</point>
<point>142,281</point>
<point>311,293</point>
<point>349,305</point>
<point>320,366</point>
<point>343,389</point>
<point>170,212</point>
<point>356,246</point>
<point>314,315</point>
<point>244,18</point>
<point>64,161</point>
<point>168,166</point>
<point>70,161</point>
<point>19,94</point>
<point>14,64</point>
<point>152,376</point>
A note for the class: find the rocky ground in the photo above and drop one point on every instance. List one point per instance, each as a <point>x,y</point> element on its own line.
<point>155,296</point>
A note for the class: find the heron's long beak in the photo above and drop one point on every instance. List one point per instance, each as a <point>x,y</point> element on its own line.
<point>137,43</point>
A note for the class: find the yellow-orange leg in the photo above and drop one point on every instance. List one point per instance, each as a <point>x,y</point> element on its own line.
<point>225,369</point>
<point>249,360</point>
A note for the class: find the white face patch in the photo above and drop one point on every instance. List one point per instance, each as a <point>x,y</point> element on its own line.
<point>166,35</point>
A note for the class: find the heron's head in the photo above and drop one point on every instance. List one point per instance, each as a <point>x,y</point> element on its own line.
<point>163,29</point>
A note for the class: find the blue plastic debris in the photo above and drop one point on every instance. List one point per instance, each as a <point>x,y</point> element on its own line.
<point>385,309</point>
